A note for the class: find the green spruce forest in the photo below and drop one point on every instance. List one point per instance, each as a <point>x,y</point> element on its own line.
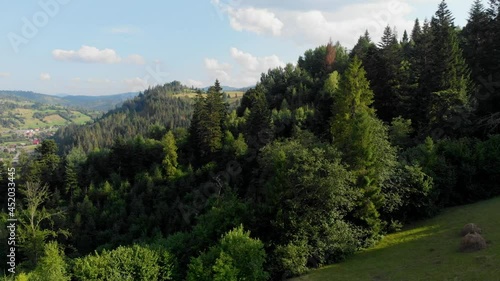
<point>319,160</point>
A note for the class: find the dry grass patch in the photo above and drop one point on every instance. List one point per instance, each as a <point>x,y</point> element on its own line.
<point>472,242</point>
<point>470,228</point>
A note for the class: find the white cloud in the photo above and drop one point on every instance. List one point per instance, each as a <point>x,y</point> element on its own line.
<point>135,59</point>
<point>94,55</point>
<point>347,23</point>
<point>314,22</point>
<point>248,71</point>
<point>4,74</point>
<point>255,65</point>
<point>193,83</point>
<point>260,21</point>
<point>136,84</point>
<point>218,70</point>
<point>87,54</point>
<point>245,59</point>
<point>213,64</point>
<point>45,76</point>
<point>76,79</point>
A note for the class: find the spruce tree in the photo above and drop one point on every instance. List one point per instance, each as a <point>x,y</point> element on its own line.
<point>207,124</point>
<point>449,105</point>
<point>479,38</point>
<point>362,47</point>
<point>363,139</point>
<point>384,79</point>
<point>416,32</point>
<point>420,64</point>
<point>258,125</point>
<point>475,39</point>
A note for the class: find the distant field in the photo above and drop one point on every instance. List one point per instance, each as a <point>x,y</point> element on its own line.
<point>80,118</point>
<point>186,95</point>
<point>232,95</point>
<point>427,250</point>
<point>54,119</point>
<point>29,121</point>
<point>51,117</point>
<point>233,100</point>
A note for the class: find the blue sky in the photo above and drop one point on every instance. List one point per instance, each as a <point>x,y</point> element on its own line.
<point>107,47</point>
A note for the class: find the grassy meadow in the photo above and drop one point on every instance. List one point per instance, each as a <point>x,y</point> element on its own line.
<point>427,250</point>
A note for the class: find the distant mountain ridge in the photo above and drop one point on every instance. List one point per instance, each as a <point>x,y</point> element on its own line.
<point>101,103</point>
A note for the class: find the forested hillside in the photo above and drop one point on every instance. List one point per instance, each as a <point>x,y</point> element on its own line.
<point>319,160</point>
<point>149,114</point>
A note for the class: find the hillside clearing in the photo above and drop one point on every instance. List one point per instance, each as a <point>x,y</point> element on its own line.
<point>427,250</point>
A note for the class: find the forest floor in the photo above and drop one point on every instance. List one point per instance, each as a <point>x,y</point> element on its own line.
<point>427,250</point>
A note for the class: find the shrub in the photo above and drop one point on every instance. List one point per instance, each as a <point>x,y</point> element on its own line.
<point>470,228</point>
<point>124,263</point>
<point>292,258</point>
<point>472,242</point>
<point>409,195</point>
<point>236,257</point>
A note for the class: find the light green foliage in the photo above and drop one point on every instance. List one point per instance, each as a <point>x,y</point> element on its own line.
<point>31,231</point>
<point>292,257</point>
<point>22,277</point>
<point>52,266</point>
<point>247,253</point>
<point>332,83</point>
<point>364,141</point>
<point>126,263</point>
<point>197,271</point>
<point>237,147</point>
<point>170,150</point>
<point>236,257</point>
<point>400,131</point>
<point>302,115</point>
<point>354,97</point>
<point>240,146</point>
<point>224,269</point>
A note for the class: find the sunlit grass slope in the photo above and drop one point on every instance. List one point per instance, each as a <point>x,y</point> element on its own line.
<point>427,250</point>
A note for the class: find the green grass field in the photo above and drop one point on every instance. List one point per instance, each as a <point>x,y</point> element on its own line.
<point>80,118</point>
<point>427,250</point>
